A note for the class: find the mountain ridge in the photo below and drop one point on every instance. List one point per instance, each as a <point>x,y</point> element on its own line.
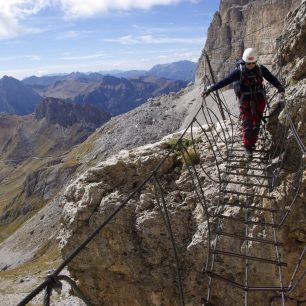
<point>111,94</point>
<point>33,150</point>
<point>16,97</point>
<point>114,92</point>
<point>183,71</point>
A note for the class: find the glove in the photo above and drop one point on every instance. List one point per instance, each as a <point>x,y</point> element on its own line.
<point>207,91</point>
<point>281,89</point>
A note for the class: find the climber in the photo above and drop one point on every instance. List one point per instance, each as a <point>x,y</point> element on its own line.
<point>251,94</point>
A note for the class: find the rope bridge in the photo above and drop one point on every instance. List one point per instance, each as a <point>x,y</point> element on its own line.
<point>247,187</point>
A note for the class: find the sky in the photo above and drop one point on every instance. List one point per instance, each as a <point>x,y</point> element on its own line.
<point>41,37</point>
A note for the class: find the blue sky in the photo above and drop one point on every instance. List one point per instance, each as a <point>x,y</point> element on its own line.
<point>39,37</point>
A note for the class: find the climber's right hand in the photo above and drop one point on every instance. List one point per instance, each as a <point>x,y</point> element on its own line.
<point>207,92</point>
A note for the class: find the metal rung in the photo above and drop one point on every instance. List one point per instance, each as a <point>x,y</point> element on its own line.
<point>247,288</point>
<point>253,157</point>
<point>247,184</point>
<point>235,284</point>
<point>261,240</point>
<point>256,151</point>
<point>248,194</point>
<point>235,140</point>
<point>250,207</point>
<point>269,261</point>
<point>244,167</point>
<point>248,160</point>
<point>248,221</point>
<point>272,288</point>
<point>250,175</point>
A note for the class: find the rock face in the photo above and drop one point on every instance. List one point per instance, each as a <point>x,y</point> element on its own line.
<point>292,60</point>
<point>136,263</point>
<point>68,114</point>
<point>240,24</point>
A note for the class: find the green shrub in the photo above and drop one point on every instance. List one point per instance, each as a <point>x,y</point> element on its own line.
<point>191,156</point>
<point>185,142</point>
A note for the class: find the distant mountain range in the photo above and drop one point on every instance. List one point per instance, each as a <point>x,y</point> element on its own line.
<point>114,92</point>
<point>181,71</point>
<point>16,97</point>
<point>111,94</point>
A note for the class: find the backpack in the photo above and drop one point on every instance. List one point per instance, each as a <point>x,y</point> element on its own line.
<point>240,64</point>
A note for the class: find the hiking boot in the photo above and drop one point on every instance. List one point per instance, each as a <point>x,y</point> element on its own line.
<point>248,152</point>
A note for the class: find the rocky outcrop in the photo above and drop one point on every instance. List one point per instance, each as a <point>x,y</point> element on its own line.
<point>241,24</point>
<point>66,114</point>
<point>292,60</point>
<point>136,263</point>
<point>44,182</point>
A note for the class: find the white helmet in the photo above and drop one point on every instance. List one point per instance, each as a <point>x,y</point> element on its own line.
<point>250,55</point>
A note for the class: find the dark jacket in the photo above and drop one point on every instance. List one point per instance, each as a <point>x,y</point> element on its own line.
<point>235,76</point>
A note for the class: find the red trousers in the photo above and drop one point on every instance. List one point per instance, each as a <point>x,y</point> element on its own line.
<point>251,114</point>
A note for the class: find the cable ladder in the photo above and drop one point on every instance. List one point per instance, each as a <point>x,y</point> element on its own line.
<point>249,209</point>
<point>238,185</point>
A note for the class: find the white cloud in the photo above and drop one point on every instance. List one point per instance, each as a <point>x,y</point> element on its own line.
<point>13,11</point>
<point>149,39</point>
<point>73,34</point>
<point>191,56</point>
<point>81,8</point>
<point>84,57</point>
<point>14,58</point>
<point>169,29</point>
<point>72,67</point>
<point>33,57</point>
<point>9,26</point>
<point>68,35</point>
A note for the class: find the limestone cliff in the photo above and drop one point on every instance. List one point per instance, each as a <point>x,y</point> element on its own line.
<point>292,60</point>
<point>67,114</point>
<point>131,262</point>
<point>241,24</point>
